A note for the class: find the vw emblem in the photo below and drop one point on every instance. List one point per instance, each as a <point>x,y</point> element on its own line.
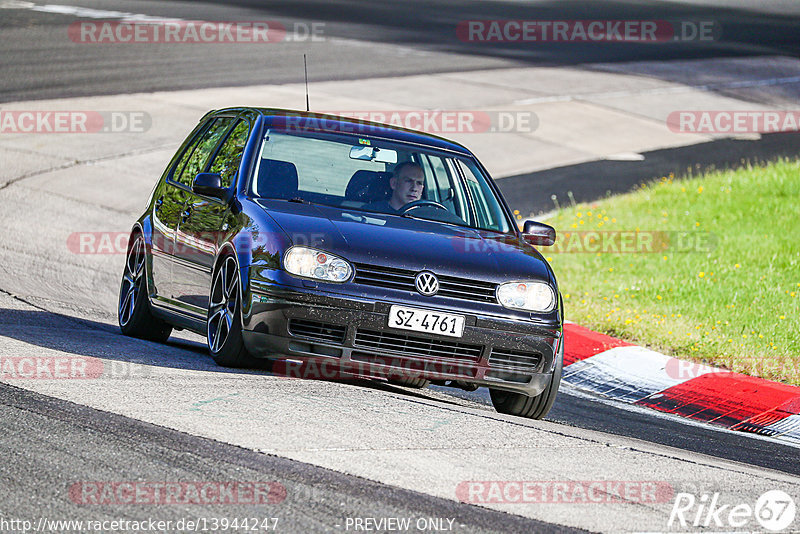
<point>427,283</point>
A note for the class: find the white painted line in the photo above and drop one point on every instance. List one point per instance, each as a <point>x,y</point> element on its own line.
<point>85,12</point>
<point>626,156</point>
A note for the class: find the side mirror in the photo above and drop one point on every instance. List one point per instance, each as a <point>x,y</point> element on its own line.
<point>210,185</point>
<point>537,233</point>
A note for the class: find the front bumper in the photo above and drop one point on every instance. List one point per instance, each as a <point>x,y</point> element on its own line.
<point>351,336</point>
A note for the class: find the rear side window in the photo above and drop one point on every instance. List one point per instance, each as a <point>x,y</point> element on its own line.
<point>229,156</point>
<point>195,158</point>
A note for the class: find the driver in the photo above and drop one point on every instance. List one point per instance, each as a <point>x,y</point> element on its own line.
<point>407,183</point>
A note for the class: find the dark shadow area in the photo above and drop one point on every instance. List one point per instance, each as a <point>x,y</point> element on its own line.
<point>532,193</point>
<point>363,40</point>
<point>98,340</point>
<point>84,337</point>
<point>703,439</point>
<point>648,426</point>
<point>433,24</point>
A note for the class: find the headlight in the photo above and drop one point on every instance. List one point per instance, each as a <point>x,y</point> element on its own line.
<point>311,263</point>
<point>528,296</point>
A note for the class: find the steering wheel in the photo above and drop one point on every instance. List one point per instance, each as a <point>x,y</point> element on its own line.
<point>419,203</point>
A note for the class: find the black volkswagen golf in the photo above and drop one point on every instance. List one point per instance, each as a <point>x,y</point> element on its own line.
<point>391,253</point>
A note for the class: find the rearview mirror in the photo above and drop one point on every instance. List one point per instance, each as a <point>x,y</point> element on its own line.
<point>210,185</point>
<point>537,233</point>
<point>373,153</point>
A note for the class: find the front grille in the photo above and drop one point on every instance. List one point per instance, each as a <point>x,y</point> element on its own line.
<point>416,346</point>
<point>516,359</point>
<point>403,279</point>
<point>330,333</point>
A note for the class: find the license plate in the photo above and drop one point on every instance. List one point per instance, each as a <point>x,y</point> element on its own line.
<point>431,322</point>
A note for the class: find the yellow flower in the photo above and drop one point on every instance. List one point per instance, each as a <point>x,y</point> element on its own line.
<point>697,224</point>
<point>658,297</point>
<point>700,189</point>
<point>701,274</point>
<point>611,269</point>
<point>665,258</point>
<point>782,317</point>
<point>736,266</point>
<point>574,225</point>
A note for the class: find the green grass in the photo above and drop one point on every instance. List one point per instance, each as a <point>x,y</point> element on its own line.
<point>733,301</point>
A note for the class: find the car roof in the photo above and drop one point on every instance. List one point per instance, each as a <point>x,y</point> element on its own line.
<point>321,122</point>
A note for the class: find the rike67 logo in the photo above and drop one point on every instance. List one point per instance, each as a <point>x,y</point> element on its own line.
<point>774,511</point>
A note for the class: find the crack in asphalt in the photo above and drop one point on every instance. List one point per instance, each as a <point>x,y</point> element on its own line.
<point>77,162</point>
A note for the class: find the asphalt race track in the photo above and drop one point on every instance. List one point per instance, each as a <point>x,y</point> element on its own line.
<point>333,454</point>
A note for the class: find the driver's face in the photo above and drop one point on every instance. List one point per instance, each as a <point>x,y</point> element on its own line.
<point>406,187</point>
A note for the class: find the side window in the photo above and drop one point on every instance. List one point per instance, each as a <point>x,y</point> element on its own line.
<point>229,156</point>
<point>195,158</point>
<point>489,214</point>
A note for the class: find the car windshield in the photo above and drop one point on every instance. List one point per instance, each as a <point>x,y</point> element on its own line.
<point>377,176</point>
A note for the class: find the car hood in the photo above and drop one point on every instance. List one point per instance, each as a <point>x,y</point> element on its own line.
<point>406,243</point>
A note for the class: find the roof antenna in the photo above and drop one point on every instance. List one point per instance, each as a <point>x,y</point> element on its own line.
<point>305,68</point>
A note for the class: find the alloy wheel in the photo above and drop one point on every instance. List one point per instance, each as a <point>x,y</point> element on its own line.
<point>223,305</point>
<point>131,281</point>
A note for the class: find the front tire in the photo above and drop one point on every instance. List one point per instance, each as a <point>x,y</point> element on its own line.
<point>133,309</point>
<point>224,321</point>
<point>531,407</point>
